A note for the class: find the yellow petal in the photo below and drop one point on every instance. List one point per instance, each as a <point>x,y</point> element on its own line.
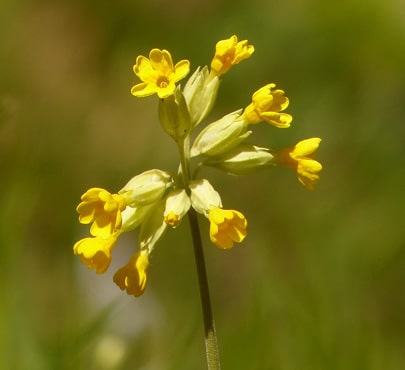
<point>306,147</point>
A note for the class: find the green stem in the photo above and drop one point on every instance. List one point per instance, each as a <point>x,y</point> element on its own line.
<point>211,344</point>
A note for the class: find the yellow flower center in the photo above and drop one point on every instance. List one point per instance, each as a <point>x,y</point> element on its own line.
<point>172,219</point>
<point>162,82</point>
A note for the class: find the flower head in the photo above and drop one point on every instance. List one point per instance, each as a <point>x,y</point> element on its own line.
<point>267,103</point>
<point>95,253</point>
<point>301,158</point>
<point>158,74</point>
<point>228,53</point>
<point>226,227</point>
<point>103,210</point>
<point>132,277</point>
<point>155,201</point>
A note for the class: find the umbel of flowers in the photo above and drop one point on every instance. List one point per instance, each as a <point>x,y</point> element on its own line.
<point>156,200</point>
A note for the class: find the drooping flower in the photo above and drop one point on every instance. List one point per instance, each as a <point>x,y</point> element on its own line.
<point>103,210</point>
<point>158,74</point>
<point>203,196</point>
<point>95,252</point>
<point>267,105</point>
<point>301,158</point>
<point>177,205</point>
<point>226,227</point>
<point>228,53</point>
<point>132,277</point>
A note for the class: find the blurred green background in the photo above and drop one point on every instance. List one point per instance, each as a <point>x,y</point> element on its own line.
<point>319,282</point>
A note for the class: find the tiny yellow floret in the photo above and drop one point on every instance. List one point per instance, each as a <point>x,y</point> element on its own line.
<point>172,219</point>
<point>301,158</point>
<point>228,53</point>
<point>226,227</point>
<point>267,105</point>
<point>158,74</point>
<point>132,277</point>
<point>177,205</point>
<point>103,210</point>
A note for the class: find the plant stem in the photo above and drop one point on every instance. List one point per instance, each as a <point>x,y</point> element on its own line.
<point>211,345</point>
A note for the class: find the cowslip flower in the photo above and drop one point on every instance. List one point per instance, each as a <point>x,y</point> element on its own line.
<point>158,74</point>
<point>103,210</point>
<point>177,205</point>
<point>132,277</point>
<point>267,105</point>
<point>301,158</point>
<point>226,227</point>
<point>228,53</point>
<point>156,201</point>
<point>95,252</point>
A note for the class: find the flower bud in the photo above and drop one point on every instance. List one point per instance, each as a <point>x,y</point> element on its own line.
<point>242,160</point>
<point>200,93</point>
<point>220,136</point>
<point>146,188</point>
<point>174,115</point>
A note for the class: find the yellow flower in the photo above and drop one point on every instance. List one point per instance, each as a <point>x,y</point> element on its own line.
<point>226,227</point>
<point>301,158</point>
<point>228,53</point>
<point>177,205</point>
<point>95,253</point>
<point>103,209</point>
<point>158,74</point>
<point>266,106</point>
<point>132,277</point>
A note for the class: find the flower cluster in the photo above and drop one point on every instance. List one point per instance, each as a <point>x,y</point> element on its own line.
<point>155,200</point>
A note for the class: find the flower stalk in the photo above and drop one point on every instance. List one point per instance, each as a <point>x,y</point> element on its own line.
<point>211,343</point>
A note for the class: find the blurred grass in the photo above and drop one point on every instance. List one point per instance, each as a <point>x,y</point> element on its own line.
<point>319,283</point>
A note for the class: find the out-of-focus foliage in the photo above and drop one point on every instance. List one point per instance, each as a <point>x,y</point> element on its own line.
<point>319,282</point>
